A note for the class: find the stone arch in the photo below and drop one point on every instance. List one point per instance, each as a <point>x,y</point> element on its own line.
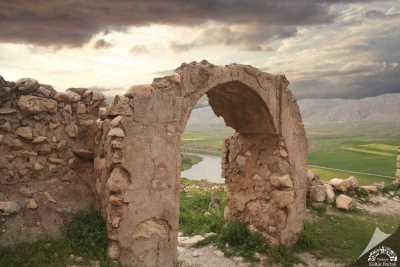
<point>263,162</point>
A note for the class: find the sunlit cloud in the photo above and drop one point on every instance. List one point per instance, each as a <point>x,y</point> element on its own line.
<point>325,48</point>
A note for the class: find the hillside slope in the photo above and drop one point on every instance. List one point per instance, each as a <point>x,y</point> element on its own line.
<point>382,109</point>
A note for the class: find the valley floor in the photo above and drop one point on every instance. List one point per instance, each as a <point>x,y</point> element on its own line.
<point>370,157</point>
<point>330,237</point>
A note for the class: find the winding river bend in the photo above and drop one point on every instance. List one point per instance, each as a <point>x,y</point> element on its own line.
<point>208,169</point>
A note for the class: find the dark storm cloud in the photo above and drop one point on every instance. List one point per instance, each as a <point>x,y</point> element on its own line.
<point>376,14</point>
<point>72,23</point>
<point>343,86</point>
<point>101,44</point>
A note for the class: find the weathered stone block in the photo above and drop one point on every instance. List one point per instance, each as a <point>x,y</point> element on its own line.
<point>344,202</point>
<point>33,104</point>
<point>25,132</point>
<point>118,181</point>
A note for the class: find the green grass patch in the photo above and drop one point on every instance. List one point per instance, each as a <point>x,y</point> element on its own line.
<point>361,194</point>
<point>368,151</point>
<point>338,236</point>
<point>236,239</point>
<point>84,236</point>
<point>342,236</point>
<point>207,142</point>
<point>87,234</point>
<point>199,216</point>
<point>284,255</point>
<point>382,147</point>
<point>395,188</point>
<point>333,152</point>
<point>201,212</point>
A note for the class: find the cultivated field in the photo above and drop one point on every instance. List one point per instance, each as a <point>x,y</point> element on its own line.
<point>369,156</point>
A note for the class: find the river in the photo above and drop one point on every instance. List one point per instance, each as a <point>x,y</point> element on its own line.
<point>208,169</point>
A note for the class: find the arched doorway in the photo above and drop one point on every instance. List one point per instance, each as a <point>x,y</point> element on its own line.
<point>138,163</point>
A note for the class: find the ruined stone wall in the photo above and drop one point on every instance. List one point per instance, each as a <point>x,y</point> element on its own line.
<point>134,162</point>
<point>259,184</point>
<point>137,158</point>
<point>46,157</point>
<point>61,152</point>
<point>112,179</point>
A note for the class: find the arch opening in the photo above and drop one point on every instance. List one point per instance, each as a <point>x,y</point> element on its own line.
<point>254,163</point>
<point>241,108</point>
<point>263,162</point>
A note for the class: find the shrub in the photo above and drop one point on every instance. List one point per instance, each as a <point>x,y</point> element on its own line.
<point>87,234</point>
<point>236,239</point>
<point>306,239</point>
<point>361,193</point>
<point>391,188</point>
<point>319,208</point>
<point>196,217</point>
<point>284,255</point>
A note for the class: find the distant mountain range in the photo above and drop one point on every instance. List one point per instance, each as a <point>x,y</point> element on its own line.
<point>382,109</point>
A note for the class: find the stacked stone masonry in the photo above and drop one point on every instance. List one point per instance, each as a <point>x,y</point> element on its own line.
<point>46,162</point>
<point>124,158</point>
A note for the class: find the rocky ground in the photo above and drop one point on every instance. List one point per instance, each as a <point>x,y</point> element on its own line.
<point>210,256</point>
<point>381,205</point>
<point>337,196</point>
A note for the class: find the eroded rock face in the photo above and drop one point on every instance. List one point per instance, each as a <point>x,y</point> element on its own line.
<point>137,158</point>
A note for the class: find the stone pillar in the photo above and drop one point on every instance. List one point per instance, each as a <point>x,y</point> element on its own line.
<point>259,185</point>
<point>148,230</point>
<point>137,165</point>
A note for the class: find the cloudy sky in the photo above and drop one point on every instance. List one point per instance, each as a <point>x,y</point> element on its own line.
<point>326,48</point>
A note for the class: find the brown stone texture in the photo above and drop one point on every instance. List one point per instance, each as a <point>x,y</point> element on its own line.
<point>137,158</point>
<point>46,171</point>
<point>66,151</point>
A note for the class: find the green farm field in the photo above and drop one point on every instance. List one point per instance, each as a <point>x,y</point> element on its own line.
<point>208,141</point>
<point>370,159</point>
<point>368,155</point>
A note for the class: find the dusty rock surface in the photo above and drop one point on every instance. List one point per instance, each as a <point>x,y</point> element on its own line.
<point>207,257</point>
<point>212,257</point>
<point>312,261</point>
<point>381,205</point>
